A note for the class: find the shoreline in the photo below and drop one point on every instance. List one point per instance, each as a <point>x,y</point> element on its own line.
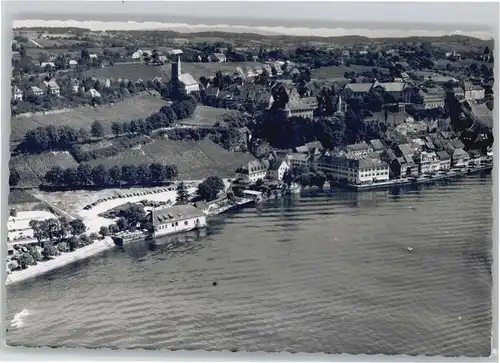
<point>419,180</point>
<point>64,259</point>
<point>107,243</point>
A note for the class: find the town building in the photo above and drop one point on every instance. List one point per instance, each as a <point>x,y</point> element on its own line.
<point>94,93</point>
<point>35,91</point>
<point>17,94</point>
<point>75,85</point>
<point>432,98</point>
<point>444,160</point>
<point>73,63</point>
<point>217,57</point>
<point>300,161</point>
<point>459,158</point>
<point>177,219</point>
<point>428,162</point>
<point>49,64</point>
<point>359,149</point>
<point>51,87</point>
<point>473,92</point>
<point>277,168</point>
<point>253,171</point>
<point>354,170</point>
<point>185,81</point>
<point>377,146</point>
<point>299,108</point>
<point>400,91</point>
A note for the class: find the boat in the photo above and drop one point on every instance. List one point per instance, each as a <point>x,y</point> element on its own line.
<point>409,249</point>
<point>123,238</point>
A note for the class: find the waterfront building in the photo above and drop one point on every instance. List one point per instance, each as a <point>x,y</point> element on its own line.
<point>179,218</point>
<point>300,160</point>
<point>377,146</point>
<point>459,158</point>
<point>354,169</point>
<point>428,162</point>
<point>277,169</point>
<point>252,172</point>
<point>444,160</point>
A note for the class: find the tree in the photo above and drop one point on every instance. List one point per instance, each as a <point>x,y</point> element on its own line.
<point>25,260</point>
<point>115,175</point>
<point>71,177</point>
<point>100,175</point>
<point>97,130</point>
<point>49,250</point>
<point>38,231</point>
<point>85,175</point>
<point>116,128</point>
<point>104,231</point>
<point>158,172</point>
<point>77,227</point>
<point>73,243</point>
<point>182,193</point>
<point>14,177</point>
<point>210,188</point>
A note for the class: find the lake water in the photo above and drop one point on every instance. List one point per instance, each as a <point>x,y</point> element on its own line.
<point>324,272</point>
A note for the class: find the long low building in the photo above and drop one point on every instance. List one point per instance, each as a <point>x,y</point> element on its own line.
<point>179,218</point>
<point>354,170</point>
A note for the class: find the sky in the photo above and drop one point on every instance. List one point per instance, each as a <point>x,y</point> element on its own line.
<point>464,13</point>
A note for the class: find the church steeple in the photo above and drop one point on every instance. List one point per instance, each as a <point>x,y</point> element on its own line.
<point>176,67</point>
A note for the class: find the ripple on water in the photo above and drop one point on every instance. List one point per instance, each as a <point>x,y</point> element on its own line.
<point>324,273</point>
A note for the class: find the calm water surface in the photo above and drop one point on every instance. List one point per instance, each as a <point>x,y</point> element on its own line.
<point>324,272</point>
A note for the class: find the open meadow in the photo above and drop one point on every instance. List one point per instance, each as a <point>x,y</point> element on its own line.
<point>140,106</point>
<point>338,71</point>
<point>206,116</point>
<point>194,159</point>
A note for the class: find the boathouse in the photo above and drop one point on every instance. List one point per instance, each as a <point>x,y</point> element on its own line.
<point>179,218</point>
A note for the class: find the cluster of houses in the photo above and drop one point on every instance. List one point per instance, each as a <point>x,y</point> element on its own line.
<point>367,162</point>
<point>51,87</point>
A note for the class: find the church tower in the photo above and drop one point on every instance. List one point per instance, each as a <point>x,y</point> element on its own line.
<point>176,67</point>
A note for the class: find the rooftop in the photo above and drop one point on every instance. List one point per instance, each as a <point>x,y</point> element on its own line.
<point>175,213</point>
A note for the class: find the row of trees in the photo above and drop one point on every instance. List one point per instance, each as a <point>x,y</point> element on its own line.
<point>64,137</point>
<point>102,176</point>
<point>56,229</point>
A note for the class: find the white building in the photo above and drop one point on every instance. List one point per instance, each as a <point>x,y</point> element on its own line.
<point>428,162</point>
<point>51,87</point>
<point>252,172</point>
<point>185,80</point>
<point>94,93</point>
<point>277,169</point>
<point>300,160</point>
<point>17,94</point>
<point>354,170</point>
<point>473,92</point>
<point>180,218</point>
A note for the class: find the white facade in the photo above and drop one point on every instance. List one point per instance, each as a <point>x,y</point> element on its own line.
<point>474,94</point>
<point>278,173</point>
<point>182,225</point>
<point>181,218</point>
<point>429,162</point>
<point>17,94</point>
<point>299,160</point>
<point>354,171</point>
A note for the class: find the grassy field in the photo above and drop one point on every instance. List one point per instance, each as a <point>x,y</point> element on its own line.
<point>198,70</point>
<point>195,160</point>
<point>338,71</point>
<point>32,168</point>
<point>18,196</point>
<point>206,116</point>
<point>133,156</point>
<point>27,177</point>
<point>140,106</point>
<point>41,163</point>
<point>130,71</point>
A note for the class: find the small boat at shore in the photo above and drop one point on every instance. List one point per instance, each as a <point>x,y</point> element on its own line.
<point>123,238</point>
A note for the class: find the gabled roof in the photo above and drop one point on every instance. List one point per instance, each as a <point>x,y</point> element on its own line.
<point>359,87</point>
<point>377,145</point>
<point>405,149</point>
<point>174,214</point>
<point>358,147</point>
<point>443,155</point>
<point>187,79</point>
